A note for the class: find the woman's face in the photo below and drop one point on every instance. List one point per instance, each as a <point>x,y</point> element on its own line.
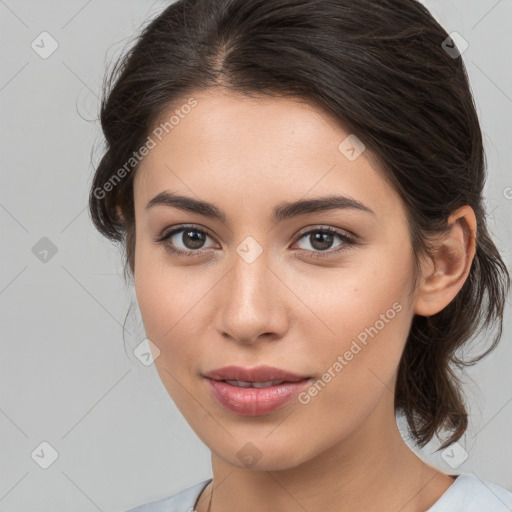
<point>253,288</point>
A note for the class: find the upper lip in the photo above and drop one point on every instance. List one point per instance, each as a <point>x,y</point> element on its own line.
<point>256,374</point>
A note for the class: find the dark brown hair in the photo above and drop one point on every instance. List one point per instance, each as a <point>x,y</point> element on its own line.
<point>381,68</point>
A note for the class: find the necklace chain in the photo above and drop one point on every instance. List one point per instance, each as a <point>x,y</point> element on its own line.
<point>211,496</point>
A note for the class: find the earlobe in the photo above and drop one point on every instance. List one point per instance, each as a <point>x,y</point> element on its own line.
<point>119,213</point>
<point>449,268</point>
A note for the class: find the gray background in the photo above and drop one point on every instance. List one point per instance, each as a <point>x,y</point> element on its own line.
<point>65,376</point>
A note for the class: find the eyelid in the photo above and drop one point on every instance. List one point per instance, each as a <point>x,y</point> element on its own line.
<point>325,227</point>
<point>182,227</point>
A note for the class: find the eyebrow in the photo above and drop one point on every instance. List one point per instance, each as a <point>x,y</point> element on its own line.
<point>282,211</point>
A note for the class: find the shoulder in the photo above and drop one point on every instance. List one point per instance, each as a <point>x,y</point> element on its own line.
<point>182,501</point>
<point>470,493</point>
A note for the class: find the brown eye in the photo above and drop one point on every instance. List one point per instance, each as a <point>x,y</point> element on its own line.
<point>185,241</point>
<point>192,239</point>
<point>322,239</point>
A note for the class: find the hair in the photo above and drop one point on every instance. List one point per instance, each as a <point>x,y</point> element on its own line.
<point>379,66</point>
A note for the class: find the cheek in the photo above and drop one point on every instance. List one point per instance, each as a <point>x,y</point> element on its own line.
<point>357,365</point>
<point>345,301</point>
<point>161,294</point>
<point>168,315</point>
<point>362,315</point>
<point>164,310</point>
<point>174,305</point>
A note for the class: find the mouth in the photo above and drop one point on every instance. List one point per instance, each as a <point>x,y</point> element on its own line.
<point>246,398</point>
<point>245,384</point>
<point>258,377</point>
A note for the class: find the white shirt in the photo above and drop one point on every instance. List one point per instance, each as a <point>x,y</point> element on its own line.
<point>468,493</point>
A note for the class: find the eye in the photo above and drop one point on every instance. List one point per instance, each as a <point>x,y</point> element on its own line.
<point>184,241</point>
<point>190,241</point>
<point>322,239</point>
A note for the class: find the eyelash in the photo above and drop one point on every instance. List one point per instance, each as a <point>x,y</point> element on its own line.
<point>347,241</point>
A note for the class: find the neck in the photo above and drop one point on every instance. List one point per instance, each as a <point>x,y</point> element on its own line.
<point>372,470</point>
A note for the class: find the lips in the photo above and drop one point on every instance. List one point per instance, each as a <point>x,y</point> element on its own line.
<point>254,391</point>
<point>254,401</point>
<point>259,374</point>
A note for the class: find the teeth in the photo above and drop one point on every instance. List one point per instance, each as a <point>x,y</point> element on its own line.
<point>239,383</point>
<point>243,384</point>
<point>266,384</point>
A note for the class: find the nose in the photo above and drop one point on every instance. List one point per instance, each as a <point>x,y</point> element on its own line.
<point>252,302</point>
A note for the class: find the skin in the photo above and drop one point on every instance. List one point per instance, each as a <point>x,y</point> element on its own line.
<point>342,450</point>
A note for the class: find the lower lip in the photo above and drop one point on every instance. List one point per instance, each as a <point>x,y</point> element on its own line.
<point>255,401</point>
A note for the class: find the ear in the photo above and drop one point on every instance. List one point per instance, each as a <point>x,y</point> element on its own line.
<point>445,274</point>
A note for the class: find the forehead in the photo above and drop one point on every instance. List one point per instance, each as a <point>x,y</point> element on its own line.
<point>231,146</point>
<point>251,127</point>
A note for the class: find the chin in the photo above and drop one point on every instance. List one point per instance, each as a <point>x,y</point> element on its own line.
<point>261,455</point>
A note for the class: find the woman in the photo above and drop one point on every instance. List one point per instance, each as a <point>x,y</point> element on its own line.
<point>298,188</point>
